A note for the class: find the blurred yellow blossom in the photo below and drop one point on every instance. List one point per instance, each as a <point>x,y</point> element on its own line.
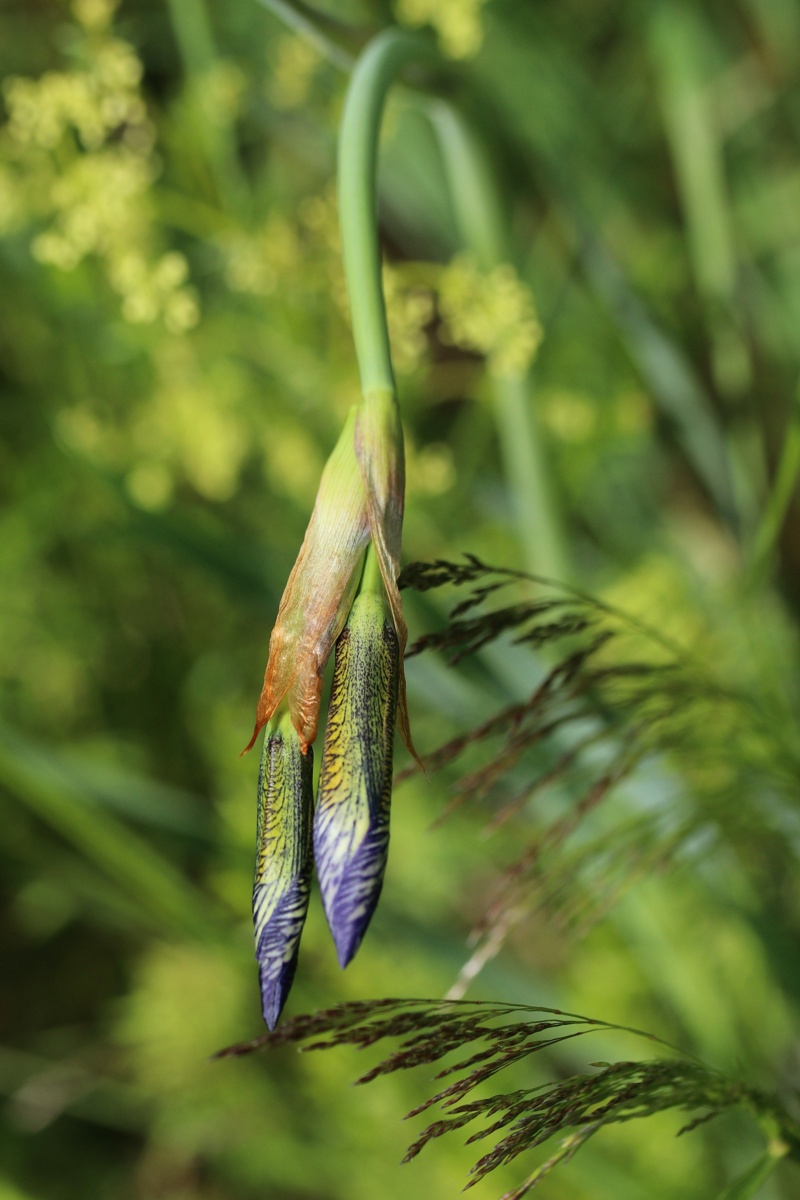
<point>409,309</point>
<point>259,262</point>
<point>84,159</point>
<point>293,461</point>
<point>431,470</point>
<point>293,69</point>
<point>94,14</point>
<point>490,313</point>
<point>571,416</point>
<point>319,216</point>
<point>95,205</point>
<point>220,93</point>
<point>94,100</point>
<point>458,23</point>
<point>186,424</point>
<point>154,289</point>
<point>291,254</point>
<point>181,310</point>
<point>189,429</point>
<point>150,484</point>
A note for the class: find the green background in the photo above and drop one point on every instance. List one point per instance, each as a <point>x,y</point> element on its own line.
<point>176,363</point>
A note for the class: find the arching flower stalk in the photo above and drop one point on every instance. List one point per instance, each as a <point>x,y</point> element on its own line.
<point>343,586</point>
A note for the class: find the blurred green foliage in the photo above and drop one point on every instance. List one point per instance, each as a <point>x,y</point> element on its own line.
<point>176,363</point>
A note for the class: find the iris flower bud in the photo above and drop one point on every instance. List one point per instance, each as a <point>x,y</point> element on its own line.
<point>351,826</point>
<point>283,861</point>
<point>360,502</point>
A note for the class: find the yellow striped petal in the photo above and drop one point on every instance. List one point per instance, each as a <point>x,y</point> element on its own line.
<point>351,824</point>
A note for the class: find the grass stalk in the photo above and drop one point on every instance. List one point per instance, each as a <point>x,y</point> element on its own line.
<point>483,226</point>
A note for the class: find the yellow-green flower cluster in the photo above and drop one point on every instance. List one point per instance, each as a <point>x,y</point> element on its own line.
<point>190,429</point>
<point>409,308</point>
<point>577,418</point>
<point>490,313</point>
<point>258,263</point>
<point>92,203</point>
<point>81,147</point>
<point>458,23</point>
<point>154,289</point>
<point>292,71</point>
<point>296,255</point>
<point>94,14</point>
<point>94,101</point>
<point>219,92</point>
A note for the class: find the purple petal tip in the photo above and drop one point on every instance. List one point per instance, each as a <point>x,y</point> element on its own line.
<point>349,909</point>
<point>275,990</point>
<point>277,950</point>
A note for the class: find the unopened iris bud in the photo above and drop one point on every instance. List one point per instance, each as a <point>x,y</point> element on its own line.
<point>360,501</point>
<point>351,826</point>
<point>283,861</point>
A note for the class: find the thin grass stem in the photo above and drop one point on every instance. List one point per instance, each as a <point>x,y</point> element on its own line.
<point>483,226</point>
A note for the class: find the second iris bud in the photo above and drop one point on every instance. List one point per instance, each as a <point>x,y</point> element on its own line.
<point>351,824</point>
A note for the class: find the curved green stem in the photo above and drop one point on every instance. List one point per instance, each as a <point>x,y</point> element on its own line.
<point>374,73</point>
<point>474,194</point>
<point>335,40</point>
<point>483,226</point>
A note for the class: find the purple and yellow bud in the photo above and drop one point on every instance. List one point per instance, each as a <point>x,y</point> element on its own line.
<point>283,861</point>
<point>351,825</point>
<point>360,501</point>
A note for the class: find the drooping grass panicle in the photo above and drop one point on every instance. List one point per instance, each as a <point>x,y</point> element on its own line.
<point>610,696</point>
<point>572,1108</point>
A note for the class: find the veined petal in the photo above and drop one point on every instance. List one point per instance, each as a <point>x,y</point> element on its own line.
<point>380,454</point>
<point>318,593</point>
<point>283,862</point>
<point>351,824</point>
